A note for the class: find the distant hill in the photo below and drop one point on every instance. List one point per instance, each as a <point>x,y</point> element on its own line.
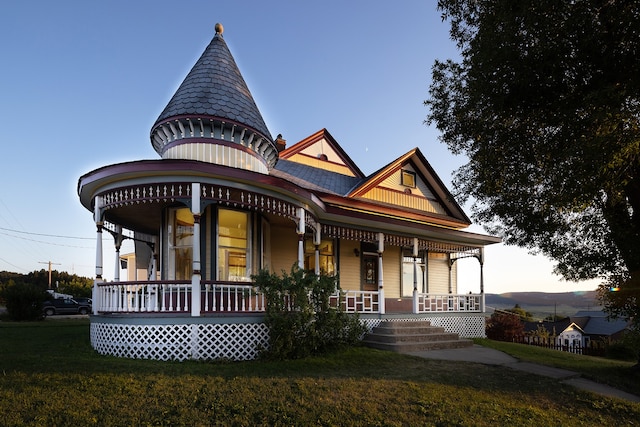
<point>543,304</point>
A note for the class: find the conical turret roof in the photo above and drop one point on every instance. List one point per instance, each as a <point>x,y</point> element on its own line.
<point>214,94</point>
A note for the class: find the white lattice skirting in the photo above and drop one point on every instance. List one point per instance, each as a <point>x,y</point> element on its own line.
<point>182,339</point>
<point>471,326</point>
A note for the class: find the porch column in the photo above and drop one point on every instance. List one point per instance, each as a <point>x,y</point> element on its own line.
<point>97,217</point>
<point>196,276</point>
<point>415,275</point>
<point>481,259</point>
<point>380,279</point>
<point>153,274</point>
<point>301,230</point>
<point>316,241</point>
<point>450,262</point>
<point>118,244</point>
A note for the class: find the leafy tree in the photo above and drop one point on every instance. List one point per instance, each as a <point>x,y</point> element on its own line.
<point>545,102</point>
<point>524,315</point>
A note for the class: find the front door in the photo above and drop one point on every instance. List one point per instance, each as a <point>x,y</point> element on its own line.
<point>369,271</point>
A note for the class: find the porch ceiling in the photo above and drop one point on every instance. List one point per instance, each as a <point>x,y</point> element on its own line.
<point>145,218</point>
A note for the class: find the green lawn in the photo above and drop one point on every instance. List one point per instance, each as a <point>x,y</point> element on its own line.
<point>50,376</point>
<point>616,373</point>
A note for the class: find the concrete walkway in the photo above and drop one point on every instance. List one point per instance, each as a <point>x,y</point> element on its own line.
<point>489,356</point>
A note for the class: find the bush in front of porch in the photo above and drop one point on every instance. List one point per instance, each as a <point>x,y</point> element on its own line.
<point>300,317</point>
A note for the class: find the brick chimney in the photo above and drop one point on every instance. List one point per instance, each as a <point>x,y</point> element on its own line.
<point>281,144</point>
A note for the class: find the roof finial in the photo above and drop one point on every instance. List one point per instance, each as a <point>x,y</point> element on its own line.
<point>219,28</point>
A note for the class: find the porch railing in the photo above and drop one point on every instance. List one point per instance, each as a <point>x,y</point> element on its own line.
<point>458,303</point>
<point>226,297</point>
<point>175,297</point>
<point>356,301</point>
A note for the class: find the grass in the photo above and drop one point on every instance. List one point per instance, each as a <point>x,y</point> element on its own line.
<point>50,375</point>
<point>616,373</point>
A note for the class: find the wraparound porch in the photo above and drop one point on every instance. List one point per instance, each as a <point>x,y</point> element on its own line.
<point>154,320</point>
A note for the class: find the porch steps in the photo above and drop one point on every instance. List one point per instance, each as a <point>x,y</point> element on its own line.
<point>406,337</point>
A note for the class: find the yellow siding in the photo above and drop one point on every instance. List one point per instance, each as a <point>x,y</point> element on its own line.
<point>349,265</point>
<point>284,249</point>
<point>321,164</point>
<point>401,199</point>
<point>438,273</point>
<point>323,148</point>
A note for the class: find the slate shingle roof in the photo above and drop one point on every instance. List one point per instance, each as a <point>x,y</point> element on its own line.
<point>591,322</point>
<point>314,179</point>
<point>215,87</point>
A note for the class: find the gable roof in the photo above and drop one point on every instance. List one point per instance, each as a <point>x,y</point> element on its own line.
<point>323,151</point>
<point>588,322</point>
<point>433,188</point>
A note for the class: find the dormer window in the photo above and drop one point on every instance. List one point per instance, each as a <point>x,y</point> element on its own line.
<point>408,178</point>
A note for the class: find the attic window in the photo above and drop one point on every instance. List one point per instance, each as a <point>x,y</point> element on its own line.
<point>408,178</point>
<point>323,156</point>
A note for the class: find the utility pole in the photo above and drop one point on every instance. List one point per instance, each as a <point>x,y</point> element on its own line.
<point>50,264</point>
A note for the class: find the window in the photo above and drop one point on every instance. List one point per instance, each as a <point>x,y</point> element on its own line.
<point>327,260</point>
<point>180,235</point>
<point>408,178</point>
<point>233,246</point>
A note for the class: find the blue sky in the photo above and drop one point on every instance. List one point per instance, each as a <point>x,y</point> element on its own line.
<point>82,82</point>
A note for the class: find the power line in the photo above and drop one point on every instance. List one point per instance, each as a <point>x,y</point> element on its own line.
<point>13,265</point>
<point>46,235</point>
<point>46,243</point>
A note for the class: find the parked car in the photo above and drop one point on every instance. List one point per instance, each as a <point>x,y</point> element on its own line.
<point>64,306</point>
<point>83,300</point>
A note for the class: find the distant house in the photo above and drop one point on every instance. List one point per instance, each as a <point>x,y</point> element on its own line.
<point>226,200</point>
<point>579,330</point>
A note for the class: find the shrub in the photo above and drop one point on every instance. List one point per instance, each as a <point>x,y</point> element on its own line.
<point>23,301</point>
<point>504,327</point>
<point>621,351</point>
<point>628,348</point>
<point>299,315</point>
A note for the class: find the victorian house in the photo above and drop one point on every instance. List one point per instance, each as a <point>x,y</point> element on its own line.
<point>226,199</point>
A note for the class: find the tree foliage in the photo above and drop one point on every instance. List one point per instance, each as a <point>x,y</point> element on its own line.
<point>502,326</point>
<point>23,300</point>
<point>524,315</point>
<point>61,281</point>
<point>545,102</point>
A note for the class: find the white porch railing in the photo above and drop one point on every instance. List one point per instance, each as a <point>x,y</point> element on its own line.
<point>456,303</point>
<point>175,297</point>
<point>356,301</point>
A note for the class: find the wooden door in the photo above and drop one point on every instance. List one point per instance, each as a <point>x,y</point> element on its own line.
<point>369,271</point>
